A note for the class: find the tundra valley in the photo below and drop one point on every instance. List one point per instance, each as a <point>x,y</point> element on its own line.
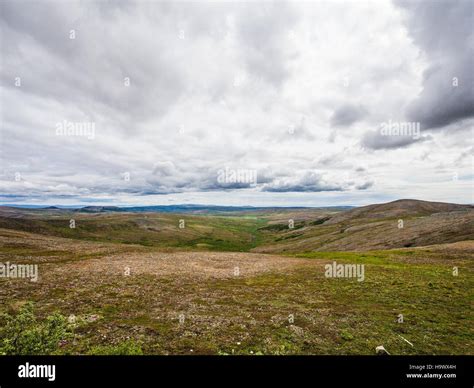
<point>243,281</point>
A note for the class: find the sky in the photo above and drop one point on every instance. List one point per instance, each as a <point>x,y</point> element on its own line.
<point>316,103</point>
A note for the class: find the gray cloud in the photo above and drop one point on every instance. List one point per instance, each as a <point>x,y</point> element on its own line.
<point>261,31</point>
<point>309,182</point>
<point>365,185</point>
<point>444,31</point>
<point>347,114</point>
<point>376,141</point>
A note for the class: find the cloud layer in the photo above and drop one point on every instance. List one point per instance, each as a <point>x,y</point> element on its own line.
<point>148,102</point>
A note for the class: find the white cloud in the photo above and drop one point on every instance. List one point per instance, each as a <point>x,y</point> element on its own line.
<point>296,91</point>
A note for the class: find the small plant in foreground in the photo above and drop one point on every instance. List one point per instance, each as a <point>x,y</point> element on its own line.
<point>23,334</point>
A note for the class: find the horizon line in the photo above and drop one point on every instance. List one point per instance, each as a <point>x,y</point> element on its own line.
<point>45,206</point>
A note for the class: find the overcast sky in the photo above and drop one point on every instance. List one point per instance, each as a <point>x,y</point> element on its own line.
<point>149,102</point>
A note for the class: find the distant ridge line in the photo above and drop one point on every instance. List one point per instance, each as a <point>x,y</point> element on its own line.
<point>171,208</point>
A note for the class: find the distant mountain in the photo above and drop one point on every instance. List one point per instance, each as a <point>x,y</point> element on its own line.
<point>197,209</point>
<point>183,208</point>
<point>99,209</point>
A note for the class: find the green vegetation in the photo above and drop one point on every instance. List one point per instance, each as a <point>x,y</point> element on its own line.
<point>293,312</point>
<point>182,296</point>
<point>205,232</point>
<point>320,221</point>
<point>280,227</point>
<point>24,334</point>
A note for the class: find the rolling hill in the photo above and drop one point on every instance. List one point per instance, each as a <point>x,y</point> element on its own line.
<point>374,227</point>
<point>262,230</point>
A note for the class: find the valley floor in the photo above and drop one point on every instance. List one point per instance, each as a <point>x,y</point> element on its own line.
<point>198,302</point>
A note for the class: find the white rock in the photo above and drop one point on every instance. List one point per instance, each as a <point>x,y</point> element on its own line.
<point>380,350</point>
